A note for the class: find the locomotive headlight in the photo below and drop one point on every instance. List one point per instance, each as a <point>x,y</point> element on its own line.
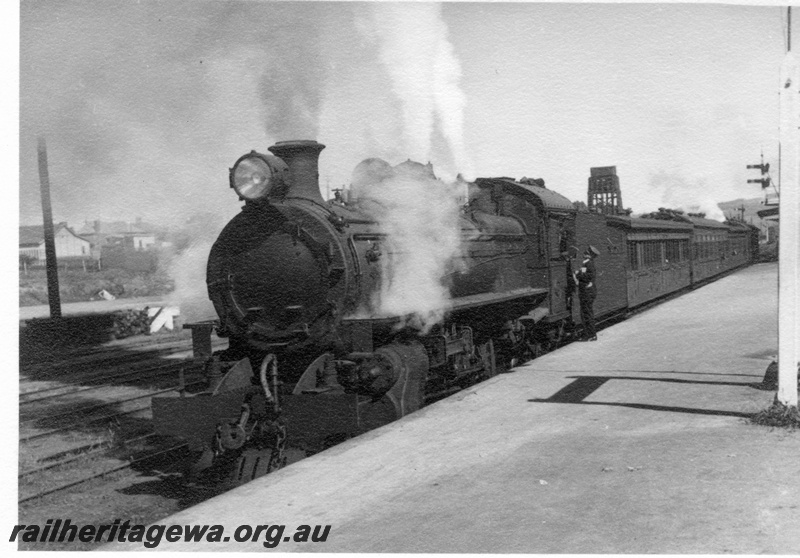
<point>255,175</point>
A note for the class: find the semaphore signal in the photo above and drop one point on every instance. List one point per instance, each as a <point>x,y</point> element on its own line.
<point>765,180</point>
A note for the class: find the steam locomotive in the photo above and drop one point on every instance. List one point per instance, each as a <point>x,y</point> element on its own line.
<point>293,280</point>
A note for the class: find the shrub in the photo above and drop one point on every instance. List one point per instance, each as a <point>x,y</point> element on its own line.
<point>779,415</point>
<point>76,286</point>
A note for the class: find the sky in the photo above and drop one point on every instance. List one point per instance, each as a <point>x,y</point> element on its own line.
<point>144,106</point>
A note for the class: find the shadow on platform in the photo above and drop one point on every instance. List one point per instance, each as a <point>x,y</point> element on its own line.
<point>583,386</point>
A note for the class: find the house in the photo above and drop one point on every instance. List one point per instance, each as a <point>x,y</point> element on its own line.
<point>68,243</point>
<point>770,219</point>
<point>135,236</point>
<point>757,211</point>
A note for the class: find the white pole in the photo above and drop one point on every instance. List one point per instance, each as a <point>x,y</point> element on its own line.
<point>789,238</point>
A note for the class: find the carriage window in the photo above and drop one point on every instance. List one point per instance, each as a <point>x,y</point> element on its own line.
<point>653,253</point>
<point>633,263</point>
<point>673,251</point>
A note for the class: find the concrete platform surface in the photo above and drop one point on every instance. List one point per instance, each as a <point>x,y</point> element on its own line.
<point>637,443</point>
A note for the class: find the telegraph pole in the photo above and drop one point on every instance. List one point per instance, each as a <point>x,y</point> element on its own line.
<point>788,257</point>
<point>49,238</point>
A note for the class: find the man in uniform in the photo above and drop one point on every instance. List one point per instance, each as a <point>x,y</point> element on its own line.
<point>585,278</point>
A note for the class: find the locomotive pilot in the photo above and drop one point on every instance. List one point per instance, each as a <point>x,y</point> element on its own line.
<point>585,278</point>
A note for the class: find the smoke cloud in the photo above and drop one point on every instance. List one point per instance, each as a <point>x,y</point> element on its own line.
<point>690,195</point>
<point>145,117</point>
<point>420,216</point>
<point>695,181</point>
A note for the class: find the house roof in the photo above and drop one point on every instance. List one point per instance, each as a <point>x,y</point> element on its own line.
<point>112,228</point>
<point>33,235</point>
<point>769,212</point>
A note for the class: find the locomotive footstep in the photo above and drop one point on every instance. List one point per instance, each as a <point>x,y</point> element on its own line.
<point>230,471</point>
<point>251,464</point>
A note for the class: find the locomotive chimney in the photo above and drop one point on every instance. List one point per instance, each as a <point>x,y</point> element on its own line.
<point>302,157</point>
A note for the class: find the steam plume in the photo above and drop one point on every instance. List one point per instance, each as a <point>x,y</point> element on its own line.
<point>188,270</point>
<point>425,73</point>
<point>188,267</point>
<point>420,216</point>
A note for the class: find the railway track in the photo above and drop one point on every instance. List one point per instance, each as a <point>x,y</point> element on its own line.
<point>94,384</point>
<point>86,415</point>
<point>73,354</point>
<point>103,465</point>
<point>48,369</point>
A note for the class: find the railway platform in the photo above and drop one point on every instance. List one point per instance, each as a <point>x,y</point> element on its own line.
<point>89,307</point>
<point>637,443</point>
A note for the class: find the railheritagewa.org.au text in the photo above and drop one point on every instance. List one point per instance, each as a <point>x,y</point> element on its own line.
<point>150,536</point>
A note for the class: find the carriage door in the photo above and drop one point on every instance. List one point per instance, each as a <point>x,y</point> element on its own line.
<point>561,237</point>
